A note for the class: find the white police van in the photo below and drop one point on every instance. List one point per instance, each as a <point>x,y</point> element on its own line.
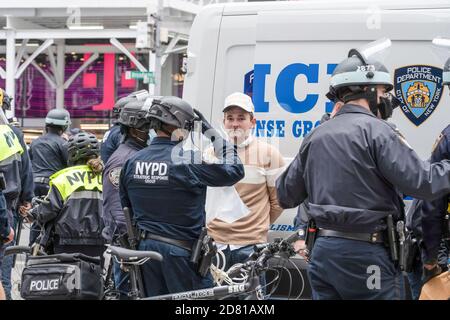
<point>283,53</point>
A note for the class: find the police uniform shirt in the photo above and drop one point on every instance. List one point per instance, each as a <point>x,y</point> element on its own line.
<point>351,168</point>
<point>48,155</point>
<point>166,192</point>
<point>434,211</point>
<point>111,142</point>
<point>112,209</point>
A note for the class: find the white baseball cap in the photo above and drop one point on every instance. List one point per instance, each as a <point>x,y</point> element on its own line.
<point>241,100</point>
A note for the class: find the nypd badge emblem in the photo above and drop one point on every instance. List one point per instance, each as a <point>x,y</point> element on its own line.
<point>114,176</point>
<point>419,89</point>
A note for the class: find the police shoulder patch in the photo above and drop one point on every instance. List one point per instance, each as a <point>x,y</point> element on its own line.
<point>114,176</point>
<point>401,137</point>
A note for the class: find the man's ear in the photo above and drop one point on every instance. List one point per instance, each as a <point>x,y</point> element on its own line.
<point>253,121</point>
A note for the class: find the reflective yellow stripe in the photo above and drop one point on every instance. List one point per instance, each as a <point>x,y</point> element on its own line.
<point>9,143</point>
<point>70,179</point>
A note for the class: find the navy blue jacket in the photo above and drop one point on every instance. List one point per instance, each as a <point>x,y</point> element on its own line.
<point>113,217</point>
<point>111,142</point>
<point>352,169</point>
<point>4,223</point>
<point>434,211</point>
<point>48,155</point>
<point>166,190</point>
<point>413,220</point>
<point>26,173</point>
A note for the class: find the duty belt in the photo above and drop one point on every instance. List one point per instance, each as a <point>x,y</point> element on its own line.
<point>179,243</point>
<point>367,237</point>
<point>44,180</point>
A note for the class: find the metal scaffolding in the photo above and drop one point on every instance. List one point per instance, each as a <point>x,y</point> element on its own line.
<point>52,23</point>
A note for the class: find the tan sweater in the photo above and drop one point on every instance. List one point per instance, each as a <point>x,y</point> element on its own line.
<point>263,164</point>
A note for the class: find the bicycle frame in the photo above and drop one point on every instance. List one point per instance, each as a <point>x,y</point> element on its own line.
<point>252,287</point>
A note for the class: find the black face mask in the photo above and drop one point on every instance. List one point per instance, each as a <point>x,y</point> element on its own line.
<point>387,105</point>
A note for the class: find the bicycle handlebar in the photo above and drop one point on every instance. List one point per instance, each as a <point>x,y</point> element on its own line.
<point>17,250</point>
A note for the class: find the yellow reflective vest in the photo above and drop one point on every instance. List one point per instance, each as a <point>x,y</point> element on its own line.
<point>9,143</point>
<point>70,179</point>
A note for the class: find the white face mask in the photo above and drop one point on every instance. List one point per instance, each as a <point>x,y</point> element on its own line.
<point>243,144</point>
<point>246,142</point>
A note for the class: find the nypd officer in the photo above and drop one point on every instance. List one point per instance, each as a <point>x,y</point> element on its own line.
<point>351,168</point>
<point>436,213</point>
<point>165,187</point>
<point>71,216</point>
<point>113,137</point>
<point>16,168</point>
<point>134,127</point>
<point>48,153</point>
<point>6,231</point>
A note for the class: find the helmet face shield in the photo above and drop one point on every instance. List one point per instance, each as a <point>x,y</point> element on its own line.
<point>358,76</point>
<point>446,73</point>
<point>376,50</point>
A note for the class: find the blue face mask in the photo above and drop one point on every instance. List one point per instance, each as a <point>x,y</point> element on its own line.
<point>151,135</point>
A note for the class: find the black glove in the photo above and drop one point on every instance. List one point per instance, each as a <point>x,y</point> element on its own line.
<point>205,124</point>
<point>207,128</point>
<point>221,147</point>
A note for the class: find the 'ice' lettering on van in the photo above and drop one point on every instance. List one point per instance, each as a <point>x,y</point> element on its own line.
<point>255,86</point>
<point>285,87</point>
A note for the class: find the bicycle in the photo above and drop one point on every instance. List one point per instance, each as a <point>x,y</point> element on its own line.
<point>23,223</point>
<point>35,252</point>
<point>249,271</point>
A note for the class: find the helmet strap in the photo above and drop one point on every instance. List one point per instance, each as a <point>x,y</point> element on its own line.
<point>370,95</point>
<point>142,141</point>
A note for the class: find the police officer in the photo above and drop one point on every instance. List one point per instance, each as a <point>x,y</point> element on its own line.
<point>351,168</point>
<point>6,230</point>
<point>165,187</point>
<point>112,138</point>
<point>71,214</point>
<point>48,153</point>
<point>134,127</point>
<point>435,214</point>
<point>16,168</point>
